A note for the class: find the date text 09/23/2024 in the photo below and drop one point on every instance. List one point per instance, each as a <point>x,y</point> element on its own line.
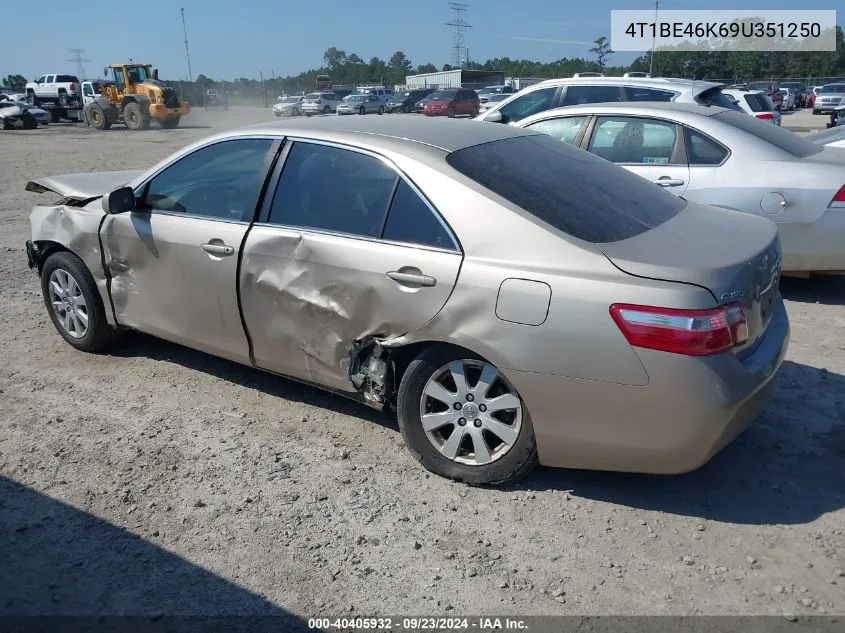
<point>418,624</point>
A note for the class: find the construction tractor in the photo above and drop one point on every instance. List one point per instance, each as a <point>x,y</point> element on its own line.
<point>134,97</point>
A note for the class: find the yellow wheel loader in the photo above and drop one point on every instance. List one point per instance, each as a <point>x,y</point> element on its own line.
<point>135,97</point>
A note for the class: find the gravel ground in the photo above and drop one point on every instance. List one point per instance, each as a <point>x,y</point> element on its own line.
<point>160,480</point>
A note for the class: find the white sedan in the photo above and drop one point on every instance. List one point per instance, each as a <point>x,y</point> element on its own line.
<point>723,158</point>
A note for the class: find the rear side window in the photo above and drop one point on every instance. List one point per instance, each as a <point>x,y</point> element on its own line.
<point>704,151</point>
<point>784,140</point>
<point>333,189</point>
<point>410,220</point>
<point>647,94</point>
<point>576,95</point>
<point>66,79</point>
<point>567,188</point>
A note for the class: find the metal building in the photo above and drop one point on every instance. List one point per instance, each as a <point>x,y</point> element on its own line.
<point>474,79</point>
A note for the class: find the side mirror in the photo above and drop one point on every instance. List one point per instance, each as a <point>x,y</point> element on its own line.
<point>495,117</point>
<point>155,74</point>
<point>119,201</point>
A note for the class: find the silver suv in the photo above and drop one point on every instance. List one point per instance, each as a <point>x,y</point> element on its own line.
<point>556,93</point>
<point>320,103</point>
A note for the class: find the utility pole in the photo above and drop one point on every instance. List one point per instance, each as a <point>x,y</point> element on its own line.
<point>460,25</point>
<point>187,52</point>
<point>654,41</point>
<point>78,56</point>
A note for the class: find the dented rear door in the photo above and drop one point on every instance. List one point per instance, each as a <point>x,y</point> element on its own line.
<point>329,266</point>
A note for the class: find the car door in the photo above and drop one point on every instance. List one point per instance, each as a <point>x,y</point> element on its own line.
<point>38,90</point>
<point>346,249</point>
<point>649,147</point>
<point>173,260</point>
<point>88,95</point>
<point>48,88</point>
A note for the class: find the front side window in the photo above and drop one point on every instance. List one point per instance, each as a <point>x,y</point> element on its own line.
<point>220,181</point>
<point>577,95</point>
<point>42,79</point>
<point>569,189</point>
<point>333,189</point>
<point>633,140</point>
<point>528,104</point>
<point>88,90</point>
<point>564,128</point>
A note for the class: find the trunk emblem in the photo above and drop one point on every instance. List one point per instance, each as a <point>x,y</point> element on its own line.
<point>732,294</point>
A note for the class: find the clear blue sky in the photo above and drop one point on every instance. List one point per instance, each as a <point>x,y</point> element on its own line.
<point>234,39</point>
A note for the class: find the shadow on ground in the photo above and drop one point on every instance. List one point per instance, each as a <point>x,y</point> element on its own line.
<point>60,561</point>
<point>137,344</point>
<point>824,289</point>
<point>787,468</point>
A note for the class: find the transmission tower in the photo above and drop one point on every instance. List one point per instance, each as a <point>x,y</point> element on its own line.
<point>187,52</point>
<point>78,56</point>
<point>459,24</point>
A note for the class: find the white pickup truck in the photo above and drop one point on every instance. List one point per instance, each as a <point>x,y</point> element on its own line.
<point>64,90</point>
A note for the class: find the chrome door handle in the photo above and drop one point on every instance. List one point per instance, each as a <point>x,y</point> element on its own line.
<point>668,182</point>
<point>221,250</point>
<point>412,278</point>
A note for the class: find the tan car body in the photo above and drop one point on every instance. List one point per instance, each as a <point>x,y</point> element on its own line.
<point>319,308</point>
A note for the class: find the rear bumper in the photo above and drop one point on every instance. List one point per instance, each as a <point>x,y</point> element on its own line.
<point>817,246</point>
<point>689,411</point>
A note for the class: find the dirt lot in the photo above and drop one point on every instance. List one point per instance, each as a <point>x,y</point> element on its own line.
<point>160,480</point>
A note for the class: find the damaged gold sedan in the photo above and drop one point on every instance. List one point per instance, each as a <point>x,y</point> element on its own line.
<point>515,300</point>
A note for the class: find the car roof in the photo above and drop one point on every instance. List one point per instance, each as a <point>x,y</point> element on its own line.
<point>652,82</point>
<point>649,107</point>
<point>412,133</point>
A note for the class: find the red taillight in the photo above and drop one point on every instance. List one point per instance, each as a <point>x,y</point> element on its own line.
<point>768,116</point>
<point>689,332</point>
<point>71,87</point>
<point>839,198</point>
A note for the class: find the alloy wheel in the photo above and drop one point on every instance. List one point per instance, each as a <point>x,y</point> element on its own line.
<point>470,412</point>
<point>68,303</point>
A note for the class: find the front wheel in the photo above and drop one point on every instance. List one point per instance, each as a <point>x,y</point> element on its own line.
<point>381,110</point>
<point>462,419</point>
<point>73,303</point>
<point>362,110</point>
<point>170,124</point>
<point>327,110</point>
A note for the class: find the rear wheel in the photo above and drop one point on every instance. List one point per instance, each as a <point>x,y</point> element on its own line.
<point>64,101</point>
<point>381,109</point>
<point>362,110</point>
<point>97,117</point>
<point>462,419</point>
<point>135,117</point>
<point>451,113</point>
<point>170,124</point>
<point>406,109</point>
<point>74,304</point>
<point>327,110</point>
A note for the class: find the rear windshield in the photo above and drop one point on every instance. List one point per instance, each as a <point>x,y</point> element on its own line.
<point>833,88</point>
<point>781,138</point>
<point>570,189</point>
<point>444,94</point>
<point>758,103</point>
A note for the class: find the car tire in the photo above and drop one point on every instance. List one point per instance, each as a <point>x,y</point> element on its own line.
<point>362,111</point>
<point>64,101</point>
<point>97,117</point>
<point>7,124</point>
<point>171,123</point>
<point>506,464</point>
<point>816,111</point>
<point>451,113</point>
<point>72,277</point>
<point>406,109</point>
<point>327,110</point>
<point>381,110</point>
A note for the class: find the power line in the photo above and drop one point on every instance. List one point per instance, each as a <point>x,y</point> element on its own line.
<point>459,52</point>
<point>654,41</point>
<point>187,52</point>
<point>78,56</point>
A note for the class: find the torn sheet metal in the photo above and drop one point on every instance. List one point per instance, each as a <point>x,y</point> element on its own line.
<point>306,298</point>
<point>82,186</point>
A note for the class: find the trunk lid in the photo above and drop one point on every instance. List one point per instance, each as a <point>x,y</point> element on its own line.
<point>83,186</point>
<point>734,255</point>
